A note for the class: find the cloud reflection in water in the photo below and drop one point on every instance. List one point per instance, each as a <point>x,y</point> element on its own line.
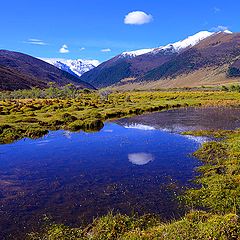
<point>140,158</point>
<point>140,126</point>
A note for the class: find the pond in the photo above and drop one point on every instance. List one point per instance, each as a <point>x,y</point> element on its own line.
<point>133,165</point>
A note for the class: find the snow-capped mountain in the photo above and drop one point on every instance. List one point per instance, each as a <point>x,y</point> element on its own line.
<point>76,67</point>
<point>199,51</point>
<point>172,47</point>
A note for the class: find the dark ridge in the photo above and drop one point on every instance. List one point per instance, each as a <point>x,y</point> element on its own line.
<point>118,68</point>
<point>105,76</point>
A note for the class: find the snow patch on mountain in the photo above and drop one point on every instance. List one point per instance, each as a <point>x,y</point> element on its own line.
<point>172,47</point>
<point>228,32</point>
<point>76,67</point>
<point>188,42</point>
<point>137,52</point>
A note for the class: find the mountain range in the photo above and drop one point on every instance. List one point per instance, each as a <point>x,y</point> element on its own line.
<point>210,58</point>
<point>21,71</point>
<point>206,58</point>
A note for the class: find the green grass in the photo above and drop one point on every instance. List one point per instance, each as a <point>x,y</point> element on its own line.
<point>195,225</point>
<point>220,175</point>
<point>87,111</point>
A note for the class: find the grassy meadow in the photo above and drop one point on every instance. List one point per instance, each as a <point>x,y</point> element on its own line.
<point>32,113</point>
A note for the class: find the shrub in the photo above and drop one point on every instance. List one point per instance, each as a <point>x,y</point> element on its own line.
<point>93,125</point>
<point>68,117</point>
<point>224,88</point>
<point>76,125</point>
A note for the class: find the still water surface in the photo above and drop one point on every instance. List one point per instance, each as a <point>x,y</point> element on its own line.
<point>135,164</point>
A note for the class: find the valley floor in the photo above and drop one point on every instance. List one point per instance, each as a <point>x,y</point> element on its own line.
<point>206,78</point>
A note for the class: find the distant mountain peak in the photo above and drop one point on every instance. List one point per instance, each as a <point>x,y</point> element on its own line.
<point>75,67</point>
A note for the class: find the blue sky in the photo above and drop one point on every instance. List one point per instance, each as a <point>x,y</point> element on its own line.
<point>95,29</point>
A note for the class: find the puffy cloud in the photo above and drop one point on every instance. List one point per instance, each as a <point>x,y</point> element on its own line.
<point>82,48</point>
<point>106,50</point>
<point>35,41</point>
<point>64,49</point>
<point>137,18</point>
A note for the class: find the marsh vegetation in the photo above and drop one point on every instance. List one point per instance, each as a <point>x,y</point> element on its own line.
<point>32,113</point>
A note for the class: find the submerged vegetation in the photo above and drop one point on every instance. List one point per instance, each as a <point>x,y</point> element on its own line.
<point>218,193</point>
<point>32,113</point>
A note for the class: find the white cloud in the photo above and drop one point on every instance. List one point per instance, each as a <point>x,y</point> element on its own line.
<point>64,49</point>
<point>219,28</point>
<point>137,18</point>
<point>35,41</point>
<point>106,50</point>
<point>82,48</point>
